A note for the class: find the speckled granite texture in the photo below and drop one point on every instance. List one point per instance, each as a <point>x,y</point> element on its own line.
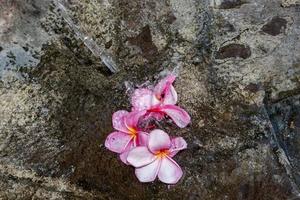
<point>239,68</point>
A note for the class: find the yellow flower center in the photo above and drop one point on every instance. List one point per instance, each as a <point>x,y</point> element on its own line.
<point>162,153</point>
<point>133,131</point>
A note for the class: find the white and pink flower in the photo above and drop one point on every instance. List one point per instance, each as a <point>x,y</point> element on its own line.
<point>160,102</point>
<point>155,159</point>
<point>128,135</point>
<point>151,154</point>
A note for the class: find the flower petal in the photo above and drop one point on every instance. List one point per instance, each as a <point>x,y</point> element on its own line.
<point>117,141</point>
<point>118,119</point>
<point>132,119</point>
<point>178,144</point>
<point>154,115</point>
<point>164,84</point>
<point>158,140</point>
<point>124,155</point>
<point>155,101</point>
<point>170,97</point>
<point>141,99</point>
<point>143,138</point>
<point>177,114</point>
<point>140,156</point>
<point>149,172</point>
<point>169,172</point>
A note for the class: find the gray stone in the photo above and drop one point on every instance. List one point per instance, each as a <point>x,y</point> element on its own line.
<point>238,77</point>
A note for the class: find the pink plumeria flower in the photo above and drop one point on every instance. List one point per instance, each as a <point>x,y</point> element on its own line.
<point>160,102</point>
<point>155,159</point>
<point>128,135</point>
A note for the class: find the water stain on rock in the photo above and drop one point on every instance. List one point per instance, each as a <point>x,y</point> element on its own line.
<point>229,4</point>
<point>108,44</point>
<point>252,87</point>
<point>170,18</point>
<point>144,41</point>
<point>224,26</point>
<point>296,121</point>
<point>285,115</point>
<point>274,27</point>
<point>234,51</point>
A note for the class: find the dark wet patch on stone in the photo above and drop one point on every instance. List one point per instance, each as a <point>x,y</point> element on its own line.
<point>229,4</point>
<point>144,41</point>
<point>285,115</point>
<point>84,56</point>
<point>25,48</point>
<point>296,121</point>
<point>1,48</point>
<point>234,51</point>
<point>170,18</point>
<point>252,87</point>
<point>286,94</point>
<point>108,44</point>
<point>224,26</point>
<point>274,27</point>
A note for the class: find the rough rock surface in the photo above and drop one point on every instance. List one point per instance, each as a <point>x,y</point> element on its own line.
<point>238,66</point>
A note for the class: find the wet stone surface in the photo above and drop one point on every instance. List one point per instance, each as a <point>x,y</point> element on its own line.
<point>285,117</point>
<point>234,51</point>
<point>229,4</point>
<point>276,26</point>
<point>144,42</point>
<point>238,77</point>
<point>21,33</point>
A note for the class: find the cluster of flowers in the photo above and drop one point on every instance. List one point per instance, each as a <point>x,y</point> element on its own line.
<point>150,153</point>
